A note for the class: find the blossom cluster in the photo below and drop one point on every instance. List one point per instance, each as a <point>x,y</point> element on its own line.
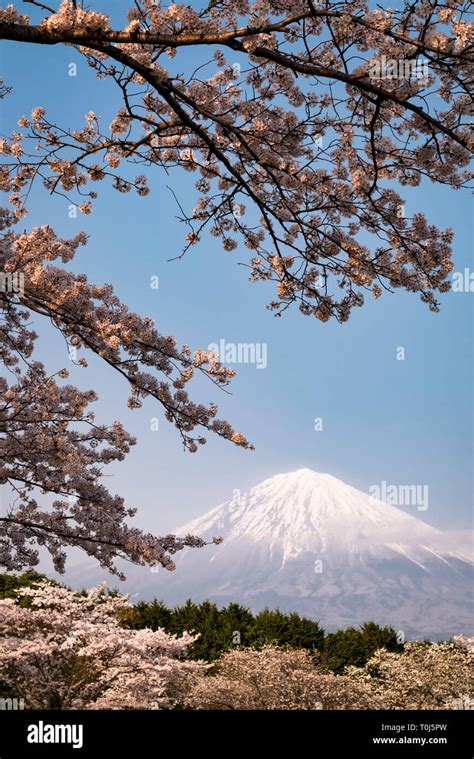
<point>50,441</point>
<point>67,650</point>
<point>297,128</point>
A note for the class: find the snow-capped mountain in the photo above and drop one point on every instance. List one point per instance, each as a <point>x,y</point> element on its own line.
<point>307,542</point>
<point>292,514</point>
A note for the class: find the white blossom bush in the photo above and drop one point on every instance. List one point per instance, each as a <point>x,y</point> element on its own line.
<point>463,640</point>
<point>424,676</point>
<point>68,651</point>
<point>274,678</point>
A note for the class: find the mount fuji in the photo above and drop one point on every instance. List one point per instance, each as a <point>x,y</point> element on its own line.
<point>308,542</point>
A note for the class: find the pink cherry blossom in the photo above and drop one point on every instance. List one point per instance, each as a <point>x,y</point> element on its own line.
<point>69,651</point>
<point>294,115</point>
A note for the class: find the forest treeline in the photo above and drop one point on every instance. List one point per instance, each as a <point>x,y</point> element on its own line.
<point>224,629</point>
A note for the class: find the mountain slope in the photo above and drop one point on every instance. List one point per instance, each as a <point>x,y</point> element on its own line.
<point>307,542</point>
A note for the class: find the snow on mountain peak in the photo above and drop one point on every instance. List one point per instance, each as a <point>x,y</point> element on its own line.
<point>308,511</point>
<point>307,542</point>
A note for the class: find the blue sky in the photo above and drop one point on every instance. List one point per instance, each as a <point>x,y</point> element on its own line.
<point>403,422</point>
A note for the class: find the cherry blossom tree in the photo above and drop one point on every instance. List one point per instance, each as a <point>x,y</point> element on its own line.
<point>301,139</point>
<point>274,678</point>
<point>310,115</point>
<point>50,442</point>
<point>423,676</point>
<point>464,641</point>
<point>68,651</point>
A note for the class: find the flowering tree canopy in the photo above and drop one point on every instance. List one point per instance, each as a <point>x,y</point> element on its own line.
<point>423,676</point>
<point>274,678</point>
<point>313,114</point>
<point>49,440</point>
<point>301,137</point>
<point>68,651</point>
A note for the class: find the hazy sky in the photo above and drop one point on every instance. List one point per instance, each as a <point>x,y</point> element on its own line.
<point>402,422</point>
